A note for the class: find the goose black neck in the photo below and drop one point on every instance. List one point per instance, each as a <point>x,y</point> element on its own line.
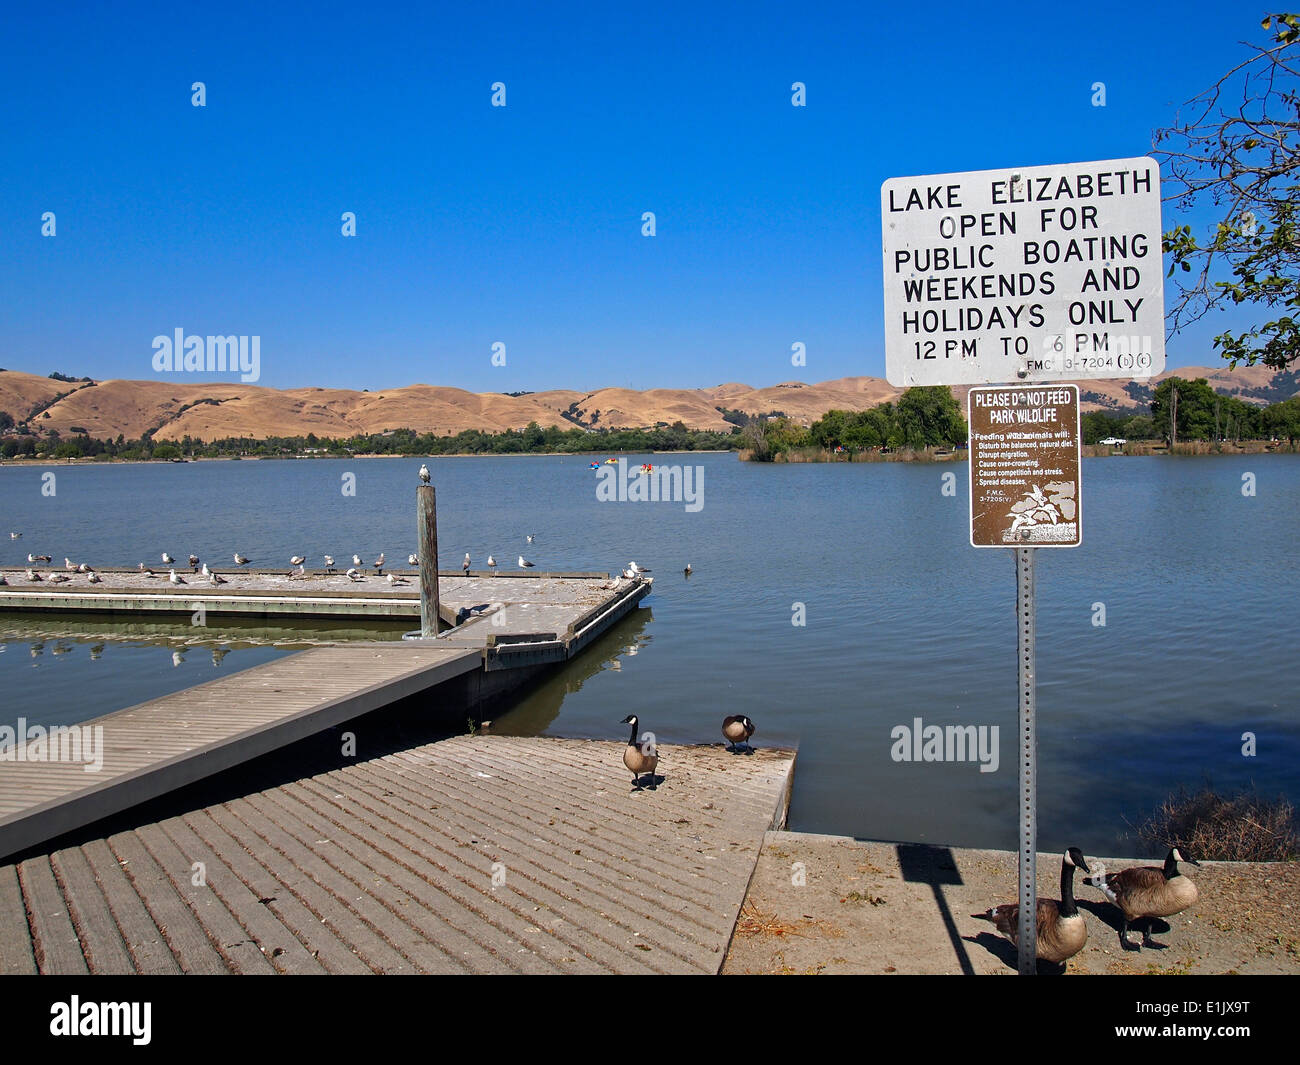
<point>1171,867</point>
<point>631,742</point>
<point>1068,908</point>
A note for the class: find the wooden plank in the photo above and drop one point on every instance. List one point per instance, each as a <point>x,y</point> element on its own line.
<point>58,950</point>
<point>101,940</point>
<point>16,955</point>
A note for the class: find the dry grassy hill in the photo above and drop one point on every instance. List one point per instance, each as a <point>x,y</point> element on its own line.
<point>173,409</point>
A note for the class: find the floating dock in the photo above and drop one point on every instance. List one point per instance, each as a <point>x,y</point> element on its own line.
<point>502,643</point>
<point>477,854</point>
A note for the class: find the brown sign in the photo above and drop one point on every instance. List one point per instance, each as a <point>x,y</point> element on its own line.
<point>1024,466</point>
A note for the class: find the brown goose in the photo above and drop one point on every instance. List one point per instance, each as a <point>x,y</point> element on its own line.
<point>639,756</point>
<point>1147,891</point>
<point>1061,932</point>
<point>737,729</point>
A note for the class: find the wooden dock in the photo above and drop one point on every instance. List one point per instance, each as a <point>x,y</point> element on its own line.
<point>316,594</point>
<point>469,855</point>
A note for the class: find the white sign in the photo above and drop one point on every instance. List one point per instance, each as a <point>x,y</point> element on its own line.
<point>1040,273</point>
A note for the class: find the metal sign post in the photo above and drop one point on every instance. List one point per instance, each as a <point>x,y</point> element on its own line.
<point>1024,494</point>
<point>1027,934</point>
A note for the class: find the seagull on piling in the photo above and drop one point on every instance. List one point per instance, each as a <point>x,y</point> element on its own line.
<point>637,569</point>
<point>525,564</point>
<point>424,474</point>
<point>38,558</point>
<point>492,565</point>
<point>464,566</point>
<point>175,579</point>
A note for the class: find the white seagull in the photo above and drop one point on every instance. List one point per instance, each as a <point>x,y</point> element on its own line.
<point>240,560</point>
<point>174,578</point>
<point>297,560</point>
<point>38,558</point>
<point>464,566</point>
<point>95,578</point>
<point>167,559</point>
<point>356,560</point>
<point>206,572</point>
<point>15,536</point>
<point>424,474</point>
<point>531,538</point>
<point>412,560</point>
<point>396,580</point>
<point>329,563</point>
<point>379,563</point>
<point>353,575</point>
<point>525,564</point>
<point>492,565</point>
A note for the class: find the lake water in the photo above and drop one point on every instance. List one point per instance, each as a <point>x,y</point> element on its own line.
<point>903,619</point>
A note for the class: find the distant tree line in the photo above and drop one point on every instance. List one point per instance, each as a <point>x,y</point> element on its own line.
<point>532,439</point>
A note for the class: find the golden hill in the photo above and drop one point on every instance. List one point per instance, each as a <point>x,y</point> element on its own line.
<point>209,411</point>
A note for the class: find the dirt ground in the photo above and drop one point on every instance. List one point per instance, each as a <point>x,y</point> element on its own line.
<point>901,908</point>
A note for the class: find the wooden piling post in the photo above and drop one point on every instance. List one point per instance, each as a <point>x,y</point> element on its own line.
<point>427,507</point>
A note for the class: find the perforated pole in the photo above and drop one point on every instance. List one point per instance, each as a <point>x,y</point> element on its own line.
<point>1027,933</point>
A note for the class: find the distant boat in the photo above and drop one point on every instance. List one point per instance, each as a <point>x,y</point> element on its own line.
<point>593,466</point>
<point>611,462</point>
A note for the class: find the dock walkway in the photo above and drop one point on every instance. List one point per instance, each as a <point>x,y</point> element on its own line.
<point>166,743</point>
<point>467,855</point>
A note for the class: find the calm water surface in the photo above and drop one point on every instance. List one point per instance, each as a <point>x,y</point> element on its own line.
<point>903,618</point>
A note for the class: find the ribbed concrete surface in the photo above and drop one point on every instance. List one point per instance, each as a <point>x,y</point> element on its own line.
<point>388,866</point>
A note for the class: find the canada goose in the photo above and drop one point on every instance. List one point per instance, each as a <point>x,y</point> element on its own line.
<point>1147,891</point>
<point>1061,932</point>
<point>737,729</point>
<point>640,757</point>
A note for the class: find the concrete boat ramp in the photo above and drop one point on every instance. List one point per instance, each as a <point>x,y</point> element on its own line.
<point>477,854</point>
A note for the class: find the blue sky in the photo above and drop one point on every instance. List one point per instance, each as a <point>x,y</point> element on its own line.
<point>522,224</point>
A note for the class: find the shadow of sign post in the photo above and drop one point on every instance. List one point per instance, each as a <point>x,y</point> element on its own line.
<point>936,866</point>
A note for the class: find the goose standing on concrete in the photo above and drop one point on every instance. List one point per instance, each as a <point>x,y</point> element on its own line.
<point>1061,932</point>
<point>525,564</point>
<point>640,756</point>
<point>737,729</point>
<point>424,474</point>
<point>1147,891</point>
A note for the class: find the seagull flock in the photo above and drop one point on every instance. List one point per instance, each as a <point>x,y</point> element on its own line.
<point>297,562</point>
